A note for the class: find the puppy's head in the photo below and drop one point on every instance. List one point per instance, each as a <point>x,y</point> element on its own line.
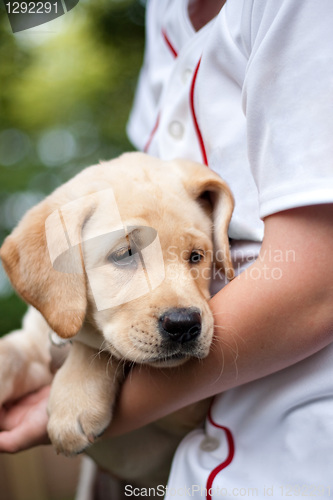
<point>128,246</point>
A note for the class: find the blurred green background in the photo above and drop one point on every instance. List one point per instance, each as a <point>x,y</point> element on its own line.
<point>66,88</point>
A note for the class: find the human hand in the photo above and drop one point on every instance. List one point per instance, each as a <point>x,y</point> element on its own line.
<point>23,422</point>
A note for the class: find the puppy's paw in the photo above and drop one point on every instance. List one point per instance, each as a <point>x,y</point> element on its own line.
<point>10,367</point>
<point>20,372</point>
<point>81,399</point>
<point>73,429</point>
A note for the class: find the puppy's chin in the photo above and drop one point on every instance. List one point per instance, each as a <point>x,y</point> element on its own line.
<point>176,359</point>
<point>160,361</point>
<point>168,362</point>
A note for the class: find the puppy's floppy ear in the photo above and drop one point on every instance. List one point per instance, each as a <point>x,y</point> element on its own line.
<point>56,287</point>
<point>214,195</point>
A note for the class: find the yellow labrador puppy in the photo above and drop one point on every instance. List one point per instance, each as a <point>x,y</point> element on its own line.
<point>117,260</point>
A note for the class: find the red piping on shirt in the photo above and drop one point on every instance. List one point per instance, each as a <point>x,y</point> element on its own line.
<point>169,44</point>
<point>196,125</point>
<point>152,133</point>
<point>175,54</point>
<point>228,460</point>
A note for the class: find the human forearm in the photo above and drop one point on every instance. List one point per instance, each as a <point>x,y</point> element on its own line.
<point>273,315</point>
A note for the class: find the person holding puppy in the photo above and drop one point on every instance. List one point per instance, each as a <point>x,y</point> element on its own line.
<point>245,87</point>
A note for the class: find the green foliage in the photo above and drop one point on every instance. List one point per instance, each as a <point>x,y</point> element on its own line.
<point>65,95</point>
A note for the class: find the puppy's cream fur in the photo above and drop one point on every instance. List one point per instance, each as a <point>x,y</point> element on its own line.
<point>79,293</point>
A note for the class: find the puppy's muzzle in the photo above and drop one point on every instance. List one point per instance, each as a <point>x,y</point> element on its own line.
<point>180,324</point>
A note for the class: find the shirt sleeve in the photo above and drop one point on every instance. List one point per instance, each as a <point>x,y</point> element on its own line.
<point>288,102</point>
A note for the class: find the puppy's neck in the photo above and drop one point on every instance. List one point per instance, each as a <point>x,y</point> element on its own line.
<point>87,335</point>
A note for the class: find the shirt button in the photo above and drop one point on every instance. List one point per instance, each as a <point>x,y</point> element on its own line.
<point>176,130</point>
<point>209,444</point>
<point>187,74</point>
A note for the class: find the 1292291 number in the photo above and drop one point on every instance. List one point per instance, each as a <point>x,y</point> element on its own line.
<point>305,490</point>
<point>31,7</point>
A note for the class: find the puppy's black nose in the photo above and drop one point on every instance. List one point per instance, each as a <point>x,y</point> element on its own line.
<point>181,324</point>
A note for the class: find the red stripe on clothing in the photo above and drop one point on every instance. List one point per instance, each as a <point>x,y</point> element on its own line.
<point>169,44</point>
<point>152,133</point>
<point>195,121</point>
<point>175,54</point>
<point>223,465</point>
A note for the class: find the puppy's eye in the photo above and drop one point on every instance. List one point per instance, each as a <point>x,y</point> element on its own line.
<point>123,257</point>
<point>196,256</point>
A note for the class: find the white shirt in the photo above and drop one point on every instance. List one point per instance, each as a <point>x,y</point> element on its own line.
<point>270,60</point>
<point>259,110</point>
